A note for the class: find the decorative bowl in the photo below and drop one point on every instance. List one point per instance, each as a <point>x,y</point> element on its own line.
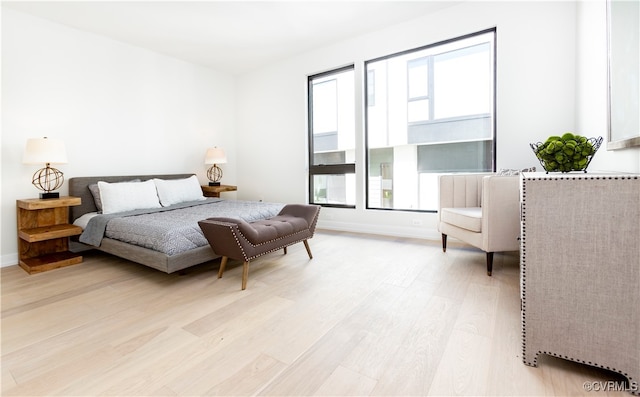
<point>566,153</point>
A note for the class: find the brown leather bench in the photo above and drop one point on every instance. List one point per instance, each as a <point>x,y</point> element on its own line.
<point>245,241</point>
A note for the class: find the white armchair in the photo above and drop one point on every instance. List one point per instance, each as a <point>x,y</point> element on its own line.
<point>482,210</point>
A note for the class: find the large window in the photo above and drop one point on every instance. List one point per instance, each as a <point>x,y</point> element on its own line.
<point>332,138</point>
<point>429,111</point>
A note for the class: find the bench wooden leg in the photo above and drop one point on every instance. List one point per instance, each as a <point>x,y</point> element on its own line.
<point>306,245</point>
<point>245,274</point>
<point>223,263</point>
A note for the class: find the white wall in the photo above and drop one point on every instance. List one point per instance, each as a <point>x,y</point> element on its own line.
<point>536,98</point>
<point>120,110</point>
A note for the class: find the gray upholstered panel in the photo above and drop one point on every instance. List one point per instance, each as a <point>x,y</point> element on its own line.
<point>79,187</point>
<point>580,273</point>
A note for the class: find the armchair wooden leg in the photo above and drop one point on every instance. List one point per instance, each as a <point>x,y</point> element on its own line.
<point>306,245</point>
<point>223,263</point>
<point>245,274</point>
<point>444,242</point>
<point>489,263</point>
<point>285,250</point>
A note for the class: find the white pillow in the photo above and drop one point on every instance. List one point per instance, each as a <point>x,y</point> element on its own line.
<point>120,197</point>
<point>174,191</point>
<point>95,192</point>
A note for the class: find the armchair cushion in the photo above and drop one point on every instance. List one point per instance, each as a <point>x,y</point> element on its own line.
<point>469,218</point>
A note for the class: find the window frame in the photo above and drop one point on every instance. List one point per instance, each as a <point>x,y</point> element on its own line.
<point>431,104</point>
<point>323,169</point>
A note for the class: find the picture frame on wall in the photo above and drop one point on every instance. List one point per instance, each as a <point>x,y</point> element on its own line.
<point>623,70</point>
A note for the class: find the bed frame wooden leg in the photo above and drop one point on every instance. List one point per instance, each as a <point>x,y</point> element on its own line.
<point>245,274</point>
<point>223,263</point>
<point>306,245</point>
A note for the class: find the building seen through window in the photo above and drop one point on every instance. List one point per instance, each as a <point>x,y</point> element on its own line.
<point>429,111</point>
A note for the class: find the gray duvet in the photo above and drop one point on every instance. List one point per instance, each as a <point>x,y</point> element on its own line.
<point>172,230</point>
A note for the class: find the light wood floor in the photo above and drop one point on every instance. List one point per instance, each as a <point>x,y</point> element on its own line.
<point>367,316</point>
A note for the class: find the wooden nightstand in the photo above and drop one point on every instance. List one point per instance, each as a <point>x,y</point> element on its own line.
<point>214,191</point>
<point>43,233</point>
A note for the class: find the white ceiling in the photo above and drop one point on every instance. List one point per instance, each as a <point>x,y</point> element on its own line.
<point>229,36</point>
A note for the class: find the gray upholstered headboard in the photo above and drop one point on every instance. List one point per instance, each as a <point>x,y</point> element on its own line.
<point>79,187</point>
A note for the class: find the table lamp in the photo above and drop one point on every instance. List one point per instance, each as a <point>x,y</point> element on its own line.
<point>47,151</point>
<point>214,156</point>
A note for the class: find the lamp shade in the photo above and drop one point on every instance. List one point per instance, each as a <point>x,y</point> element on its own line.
<point>215,155</point>
<point>44,151</point>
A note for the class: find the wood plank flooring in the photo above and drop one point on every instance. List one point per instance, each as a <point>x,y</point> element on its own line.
<point>368,316</point>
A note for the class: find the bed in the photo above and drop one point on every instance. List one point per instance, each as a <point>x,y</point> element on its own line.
<point>165,234</point>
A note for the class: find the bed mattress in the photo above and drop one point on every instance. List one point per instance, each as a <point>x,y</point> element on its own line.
<point>173,230</point>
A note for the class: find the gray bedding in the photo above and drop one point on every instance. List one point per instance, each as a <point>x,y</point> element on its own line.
<point>172,230</point>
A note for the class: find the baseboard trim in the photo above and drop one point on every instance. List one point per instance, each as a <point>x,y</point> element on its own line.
<point>9,260</point>
<point>384,230</point>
